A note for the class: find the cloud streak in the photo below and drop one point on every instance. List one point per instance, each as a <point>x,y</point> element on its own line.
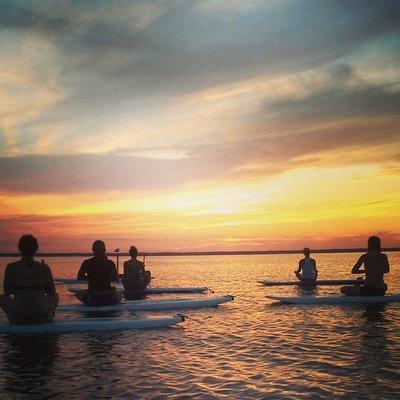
<point>144,98</point>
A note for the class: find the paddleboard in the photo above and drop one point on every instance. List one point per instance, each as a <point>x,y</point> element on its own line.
<point>161,290</point>
<point>79,289</point>
<point>67,281</point>
<point>71,281</point>
<point>326,282</point>
<point>93,325</point>
<point>145,305</point>
<point>394,298</point>
<point>144,292</point>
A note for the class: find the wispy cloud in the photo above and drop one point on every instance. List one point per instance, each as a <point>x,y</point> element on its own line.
<point>152,97</point>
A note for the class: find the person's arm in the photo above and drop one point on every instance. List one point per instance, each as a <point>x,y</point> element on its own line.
<point>356,269</point>
<point>315,268</point>
<point>386,265</point>
<point>125,268</point>
<point>50,289</point>
<point>82,273</point>
<point>114,272</point>
<point>298,270</point>
<point>7,287</point>
<point>142,270</point>
<point>300,266</point>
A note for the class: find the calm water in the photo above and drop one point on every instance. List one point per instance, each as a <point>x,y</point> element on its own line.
<point>247,349</point>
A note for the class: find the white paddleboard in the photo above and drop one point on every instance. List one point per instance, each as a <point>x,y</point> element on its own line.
<point>326,282</point>
<point>93,325</point>
<point>155,290</point>
<point>72,281</point>
<point>66,281</point>
<point>394,298</point>
<point>146,305</point>
<point>161,290</point>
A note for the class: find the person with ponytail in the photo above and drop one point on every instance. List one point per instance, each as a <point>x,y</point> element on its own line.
<point>376,264</point>
<point>29,295</point>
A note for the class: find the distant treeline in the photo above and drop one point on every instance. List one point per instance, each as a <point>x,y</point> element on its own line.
<point>205,253</point>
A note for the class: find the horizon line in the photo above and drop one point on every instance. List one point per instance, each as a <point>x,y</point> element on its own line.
<point>201,253</point>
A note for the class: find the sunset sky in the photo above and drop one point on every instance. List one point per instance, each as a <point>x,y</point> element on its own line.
<point>199,125</point>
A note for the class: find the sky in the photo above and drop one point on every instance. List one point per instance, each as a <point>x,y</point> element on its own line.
<point>199,125</point>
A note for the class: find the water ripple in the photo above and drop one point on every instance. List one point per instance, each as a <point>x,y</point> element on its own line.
<point>248,349</point>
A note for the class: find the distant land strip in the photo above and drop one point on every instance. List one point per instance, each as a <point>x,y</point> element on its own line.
<point>202,253</point>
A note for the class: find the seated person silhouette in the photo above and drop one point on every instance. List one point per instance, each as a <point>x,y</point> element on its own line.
<point>307,272</point>
<point>29,293</point>
<point>375,265</point>
<point>99,271</point>
<point>135,276</point>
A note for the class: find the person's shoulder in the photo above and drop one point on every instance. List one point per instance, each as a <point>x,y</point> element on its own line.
<point>39,264</point>
<point>141,263</point>
<point>12,267</point>
<point>41,267</point>
<point>86,263</point>
<point>13,264</point>
<point>111,263</point>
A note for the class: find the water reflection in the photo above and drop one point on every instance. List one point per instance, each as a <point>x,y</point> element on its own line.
<point>28,364</point>
<point>306,290</point>
<point>373,353</point>
<point>249,349</point>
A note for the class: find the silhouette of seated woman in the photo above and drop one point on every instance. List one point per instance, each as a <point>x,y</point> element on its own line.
<point>375,265</point>
<point>29,293</point>
<point>135,276</point>
<point>99,271</point>
<point>307,272</point>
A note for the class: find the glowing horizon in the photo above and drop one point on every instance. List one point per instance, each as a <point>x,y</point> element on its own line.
<point>234,132</point>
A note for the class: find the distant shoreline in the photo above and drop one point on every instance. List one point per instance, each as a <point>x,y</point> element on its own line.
<point>204,253</point>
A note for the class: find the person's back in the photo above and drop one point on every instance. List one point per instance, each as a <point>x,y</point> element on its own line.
<point>307,268</point>
<point>307,271</point>
<point>135,277</point>
<point>375,266</point>
<point>99,271</point>
<point>32,287</point>
<point>29,283</point>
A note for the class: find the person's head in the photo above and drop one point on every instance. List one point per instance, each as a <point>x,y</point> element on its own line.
<point>99,248</point>
<point>374,244</point>
<point>306,251</point>
<point>133,251</point>
<point>28,245</point>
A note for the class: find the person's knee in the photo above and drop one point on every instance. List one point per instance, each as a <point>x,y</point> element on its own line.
<point>350,290</point>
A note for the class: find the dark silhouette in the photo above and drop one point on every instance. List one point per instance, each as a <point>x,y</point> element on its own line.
<point>29,293</point>
<point>307,272</point>
<point>99,271</point>
<point>135,276</point>
<point>375,265</point>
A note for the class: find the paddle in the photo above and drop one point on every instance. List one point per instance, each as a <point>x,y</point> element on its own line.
<point>117,251</point>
